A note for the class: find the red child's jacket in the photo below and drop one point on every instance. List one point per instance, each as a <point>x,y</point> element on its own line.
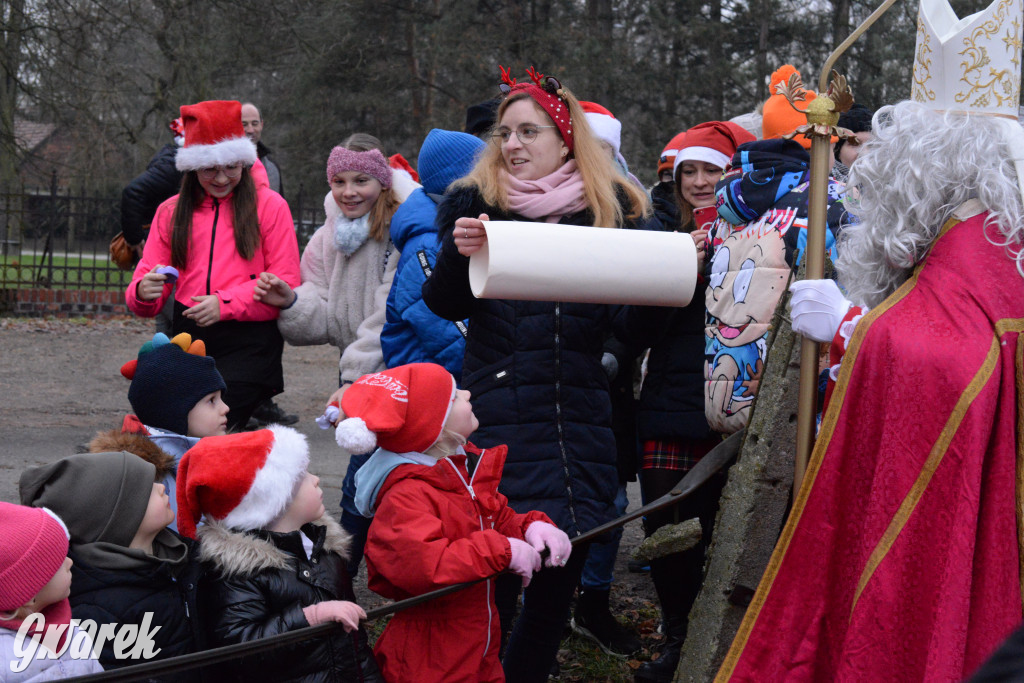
<point>433,527</point>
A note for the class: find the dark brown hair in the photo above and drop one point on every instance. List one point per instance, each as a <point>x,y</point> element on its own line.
<point>243,204</point>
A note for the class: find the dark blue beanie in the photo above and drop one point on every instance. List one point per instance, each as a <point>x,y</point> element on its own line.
<point>167,385</point>
<point>445,157</point>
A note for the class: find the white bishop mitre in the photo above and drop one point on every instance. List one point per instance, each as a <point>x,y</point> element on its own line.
<point>972,66</point>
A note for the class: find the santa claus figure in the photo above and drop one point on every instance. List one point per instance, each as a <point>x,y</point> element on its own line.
<point>901,559</point>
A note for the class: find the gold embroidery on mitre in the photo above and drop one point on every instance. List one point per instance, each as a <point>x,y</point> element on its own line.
<point>919,90</point>
<point>969,65</point>
<point>992,86</point>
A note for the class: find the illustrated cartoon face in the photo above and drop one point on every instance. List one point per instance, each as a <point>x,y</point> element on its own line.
<point>748,275</point>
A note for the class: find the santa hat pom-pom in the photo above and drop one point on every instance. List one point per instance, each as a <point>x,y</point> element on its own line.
<point>353,435</point>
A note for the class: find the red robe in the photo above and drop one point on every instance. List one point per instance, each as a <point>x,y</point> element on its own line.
<point>901,559</point>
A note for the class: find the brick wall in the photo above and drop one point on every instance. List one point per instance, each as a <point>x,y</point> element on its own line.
<point>62,303</point>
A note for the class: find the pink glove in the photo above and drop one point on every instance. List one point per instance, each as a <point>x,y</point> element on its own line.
<point>818,307</point>
<point>542,535</point>
<point>525,560</point>
<point>346,613</point>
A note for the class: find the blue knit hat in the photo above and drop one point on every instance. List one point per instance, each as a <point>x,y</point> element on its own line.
<point>445,157</point>
<point>168,379</point>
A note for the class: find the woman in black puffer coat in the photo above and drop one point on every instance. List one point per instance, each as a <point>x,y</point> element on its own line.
<point>534,368</point>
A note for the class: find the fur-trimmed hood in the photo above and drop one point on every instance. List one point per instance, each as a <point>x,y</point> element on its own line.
<point>137,444</point>
<point>241,553</point>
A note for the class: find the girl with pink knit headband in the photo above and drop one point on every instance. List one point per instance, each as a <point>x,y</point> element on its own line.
<point>347,270</point>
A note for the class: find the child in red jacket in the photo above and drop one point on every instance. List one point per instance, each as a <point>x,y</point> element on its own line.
<point>438,520</point>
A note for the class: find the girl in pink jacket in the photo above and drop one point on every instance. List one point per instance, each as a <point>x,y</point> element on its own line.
<point>214,238</point>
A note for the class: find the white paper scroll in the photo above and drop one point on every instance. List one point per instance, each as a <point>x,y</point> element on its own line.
<point>552,262</point>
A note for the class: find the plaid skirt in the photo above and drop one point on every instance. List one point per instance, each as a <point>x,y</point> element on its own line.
<point>680,456</point>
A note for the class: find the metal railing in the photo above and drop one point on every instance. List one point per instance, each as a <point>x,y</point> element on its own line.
<point>54,239</point>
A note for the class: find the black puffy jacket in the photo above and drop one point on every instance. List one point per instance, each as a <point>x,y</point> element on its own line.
<point>116,586</point>
<point>255,586</point>
<point>534,371</point>
<point>148,190</point>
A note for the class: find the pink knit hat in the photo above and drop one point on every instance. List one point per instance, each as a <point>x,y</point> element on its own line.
<point>33,545</point>
<point>371,162</point>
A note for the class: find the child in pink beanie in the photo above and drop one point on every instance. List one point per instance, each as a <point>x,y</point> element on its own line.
<point>438,520</point>
<point>35,579</point>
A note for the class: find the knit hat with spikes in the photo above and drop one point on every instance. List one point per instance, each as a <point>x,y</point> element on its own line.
<point>169,378</point>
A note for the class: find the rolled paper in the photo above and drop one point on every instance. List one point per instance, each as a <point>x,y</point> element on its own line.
<point>553,262</point>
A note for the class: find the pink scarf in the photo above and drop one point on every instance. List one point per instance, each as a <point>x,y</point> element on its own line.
<point>548,198</point>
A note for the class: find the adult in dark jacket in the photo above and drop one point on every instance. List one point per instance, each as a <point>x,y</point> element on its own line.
<point>673,431</point>
<point>149,189</point>
<point>140,199</point>
<point>534,368</point>
<point>127,569</point>
<point>412,332</point>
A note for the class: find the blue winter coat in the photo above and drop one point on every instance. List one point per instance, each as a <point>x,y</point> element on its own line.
<point>534,370</point>
<point>412,332</point>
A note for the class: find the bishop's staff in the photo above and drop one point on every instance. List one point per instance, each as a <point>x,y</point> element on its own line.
<point>822,118</point>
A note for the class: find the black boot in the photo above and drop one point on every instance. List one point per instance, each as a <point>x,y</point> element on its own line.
<point>677,580</point>
<point>593,618</point>
<point>663,669</point>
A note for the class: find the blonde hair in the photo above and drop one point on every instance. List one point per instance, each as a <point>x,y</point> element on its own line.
<point>601,181</point>
<point>387,202</point>
<point>381,212</point>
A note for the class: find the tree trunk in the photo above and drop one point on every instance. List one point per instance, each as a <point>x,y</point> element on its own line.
<point>10,62</point>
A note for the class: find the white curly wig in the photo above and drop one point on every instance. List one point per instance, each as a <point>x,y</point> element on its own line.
<point>919,167</point>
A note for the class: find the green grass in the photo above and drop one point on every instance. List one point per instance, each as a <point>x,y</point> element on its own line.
<point>75,272</point>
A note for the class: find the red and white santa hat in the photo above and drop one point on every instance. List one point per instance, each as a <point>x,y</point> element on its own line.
<point>402,410</point>
<point>666,162</point>
<point>605,126</point>
<point>713,142</point>
<point>214,136</point>
<point>244,480</point>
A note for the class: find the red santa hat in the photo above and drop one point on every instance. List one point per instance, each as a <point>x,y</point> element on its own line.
<point>214,136</point>
<point>402,410</point>
<point>604,124</point>
<point>667,160</point>
<point>713,142</point>
<point>244,480</point>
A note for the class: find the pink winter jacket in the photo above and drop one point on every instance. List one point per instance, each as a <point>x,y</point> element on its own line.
<point>214,266</point>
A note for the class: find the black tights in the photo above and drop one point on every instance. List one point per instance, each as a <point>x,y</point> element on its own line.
<point>678,577</point>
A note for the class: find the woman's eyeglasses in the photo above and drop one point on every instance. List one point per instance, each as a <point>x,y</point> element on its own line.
<point>526,133</point>
<point>230,170</point>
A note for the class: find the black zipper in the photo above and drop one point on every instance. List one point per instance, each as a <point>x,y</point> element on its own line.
<point>558,415</point>
<point>213,237</point>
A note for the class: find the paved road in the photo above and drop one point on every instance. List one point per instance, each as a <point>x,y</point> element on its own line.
<point>60,384</point>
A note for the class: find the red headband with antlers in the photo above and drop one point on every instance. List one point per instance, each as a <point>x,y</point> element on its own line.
<point>545,91</point>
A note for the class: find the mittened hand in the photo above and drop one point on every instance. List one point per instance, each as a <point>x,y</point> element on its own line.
<point>525,560</point>
<point>817,309</point>
<point>344,612</point>
<point>542,535</point>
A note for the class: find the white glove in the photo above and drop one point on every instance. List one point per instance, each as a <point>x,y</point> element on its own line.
<point>817,309</point>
